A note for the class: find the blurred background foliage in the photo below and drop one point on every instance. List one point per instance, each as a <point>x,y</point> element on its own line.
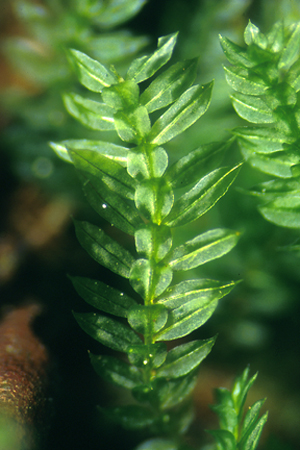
<point>258,323</point>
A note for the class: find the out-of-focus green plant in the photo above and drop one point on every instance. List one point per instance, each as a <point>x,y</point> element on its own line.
<point>265,76</point>
<point>38,55</point>
<point>134,188</point>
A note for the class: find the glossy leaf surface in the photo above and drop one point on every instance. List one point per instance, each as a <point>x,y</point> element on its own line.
<point>116,371</point>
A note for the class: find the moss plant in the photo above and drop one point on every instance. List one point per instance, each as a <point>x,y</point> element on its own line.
<point>134,188</point>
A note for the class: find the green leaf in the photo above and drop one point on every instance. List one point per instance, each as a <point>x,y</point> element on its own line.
<point>93,75</point>
<point>280,164</point>
<point>104,249</point>
<point>147,282</point>
<point>291,49</point>
<point>241,80</point>
<point>225,409</point>
<point>117,153</point>
<point>116,12</point>
<point>172,392</point>
<point>284,211</point>
<point>241,387</point>
<point>251,418</point>
<point>109,205</point>
<point>154,199</point>
<point>109,172</point>
<point>225,440</point>
<point>143,355</point>
<point>94,115</point>
<point>190,106</point>
<point>253,109</point>
<point>261,140</point>
<point>107,331</point>
<point>251,440</point>
<point>236,54</point>
<point>200,290</point>
<point>147,161</point>
<point>186,318</point>
<point>203,248</point>
<point>117,371</point>
<point>202,197</point>
<point>132,126</point>
<point>168,86</point>
<point>103,297</point>
<point>196,164</point>
<point>155,241</point>
<point>146,66</point>
<point>183,359</point>
<point>147,319</point>
<point>252,35</point>
<point>131,417</point>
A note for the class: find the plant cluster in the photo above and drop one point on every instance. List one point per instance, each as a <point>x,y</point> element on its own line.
<point>265,76</point>
<point>134,188</point>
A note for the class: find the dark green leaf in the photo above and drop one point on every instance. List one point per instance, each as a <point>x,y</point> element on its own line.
<point>117,371</point>
<point>95,115</point>
<point>240,389</point>
<point>103,297</point>
<point>172,392</point>
<point>253,109</point>
<point>131,417</point>
<point>107,331</point>
<point>104,249</point>
<point>196,164</point>
<point>202,197</point>
<point>115,209</point>
<point>112,151</point>
<point>225,409</point>
<point>147,319</point>
<point>93,75</point>
<point>251,418</point>
<point>203,248</point>
<point>168,86</point>
<point>225,440</point>
<point>109,172</point>
<point>143,355</point>
<point>190,106</point>
<point>183,359</point>
<point>144,67</point>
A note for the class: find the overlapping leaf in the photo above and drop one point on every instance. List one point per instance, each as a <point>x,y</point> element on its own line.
<point>117,371</point>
